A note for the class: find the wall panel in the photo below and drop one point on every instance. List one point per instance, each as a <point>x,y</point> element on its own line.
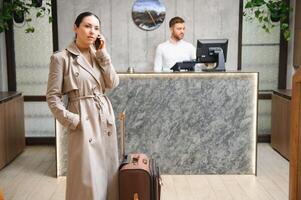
<point>130,46</point>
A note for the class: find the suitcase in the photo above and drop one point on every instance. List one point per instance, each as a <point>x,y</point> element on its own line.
<point>139,177</point>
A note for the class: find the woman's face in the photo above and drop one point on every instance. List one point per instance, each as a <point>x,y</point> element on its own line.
<point>87,31</point>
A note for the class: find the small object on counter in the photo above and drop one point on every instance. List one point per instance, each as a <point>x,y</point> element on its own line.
<point>131,70</point>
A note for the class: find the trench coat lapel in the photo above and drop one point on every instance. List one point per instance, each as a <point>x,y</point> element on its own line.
<point>81,60</point>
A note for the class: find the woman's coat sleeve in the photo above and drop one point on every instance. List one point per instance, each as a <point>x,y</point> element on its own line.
<point>110,76</point>
<point>54,94</point>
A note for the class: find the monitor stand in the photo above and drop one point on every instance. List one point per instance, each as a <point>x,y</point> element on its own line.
<point>220,65</point>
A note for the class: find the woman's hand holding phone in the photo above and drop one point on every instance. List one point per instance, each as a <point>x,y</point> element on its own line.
<point>99,42</point>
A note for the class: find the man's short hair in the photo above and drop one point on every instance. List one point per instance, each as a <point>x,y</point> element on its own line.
<point>175,20</point>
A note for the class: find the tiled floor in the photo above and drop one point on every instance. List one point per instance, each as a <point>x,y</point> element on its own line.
<point>32,177</point>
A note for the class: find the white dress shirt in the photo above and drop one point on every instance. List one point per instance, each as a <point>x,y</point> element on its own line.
<point>168,53</point>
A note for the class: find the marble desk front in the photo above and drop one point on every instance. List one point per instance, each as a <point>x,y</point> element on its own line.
<point>190,123</point>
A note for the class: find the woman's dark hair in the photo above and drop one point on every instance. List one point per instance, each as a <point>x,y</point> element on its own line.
<point>81,16</point>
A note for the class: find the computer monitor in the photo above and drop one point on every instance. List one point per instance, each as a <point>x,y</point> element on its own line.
<point>212,51</point>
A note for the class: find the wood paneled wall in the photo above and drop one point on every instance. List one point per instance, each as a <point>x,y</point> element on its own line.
<point>280,124</point>
<point>2,137</point>
<point>297,37</point>
<point>295,140</point>
<point>12,134</point>
<point>131,46</point>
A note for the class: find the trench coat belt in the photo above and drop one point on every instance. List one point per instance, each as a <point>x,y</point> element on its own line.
<point>105,117</point>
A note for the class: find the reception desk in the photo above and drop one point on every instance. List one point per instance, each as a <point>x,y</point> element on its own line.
<point>190,123</point>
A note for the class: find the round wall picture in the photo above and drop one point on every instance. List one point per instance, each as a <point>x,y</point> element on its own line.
<point>148,14</point>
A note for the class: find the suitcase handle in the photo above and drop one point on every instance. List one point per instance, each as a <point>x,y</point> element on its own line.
<point>122,131</point>
<point>135,160</point>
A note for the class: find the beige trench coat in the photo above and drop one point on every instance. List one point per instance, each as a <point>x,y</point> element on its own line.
<point>92,149</point>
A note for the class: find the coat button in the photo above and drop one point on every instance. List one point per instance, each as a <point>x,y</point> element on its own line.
<point>90,140</point>
<point>76,74</point>
<point>87,118</point>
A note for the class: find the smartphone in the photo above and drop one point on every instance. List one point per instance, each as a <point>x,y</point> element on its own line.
<point>98,42</point>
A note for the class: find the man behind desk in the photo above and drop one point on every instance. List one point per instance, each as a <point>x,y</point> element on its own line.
<point>175,49</point>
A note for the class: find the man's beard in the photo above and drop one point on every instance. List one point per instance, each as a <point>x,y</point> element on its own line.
<point>179,37</point>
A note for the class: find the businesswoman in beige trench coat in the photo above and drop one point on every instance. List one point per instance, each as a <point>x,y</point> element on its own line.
<point>84,74</point>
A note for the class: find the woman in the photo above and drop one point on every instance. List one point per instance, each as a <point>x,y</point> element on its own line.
<point>84,72</point>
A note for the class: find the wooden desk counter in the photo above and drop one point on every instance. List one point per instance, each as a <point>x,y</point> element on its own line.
<point>12,133</point>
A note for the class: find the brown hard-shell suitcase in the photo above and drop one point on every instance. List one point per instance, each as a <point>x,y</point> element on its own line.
<point>139,177</point>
